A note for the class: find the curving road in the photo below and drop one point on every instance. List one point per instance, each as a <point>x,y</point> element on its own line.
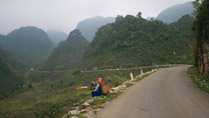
<point>169,93</point>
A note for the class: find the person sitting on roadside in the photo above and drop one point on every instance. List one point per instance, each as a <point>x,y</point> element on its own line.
<point>92,88</point>
<point>98,88</point>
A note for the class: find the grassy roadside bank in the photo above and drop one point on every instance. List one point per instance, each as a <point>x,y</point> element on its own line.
<point>201,81</point>
<point>54,93</point>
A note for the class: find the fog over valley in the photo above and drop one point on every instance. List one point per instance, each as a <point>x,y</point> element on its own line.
<point>65,14</point>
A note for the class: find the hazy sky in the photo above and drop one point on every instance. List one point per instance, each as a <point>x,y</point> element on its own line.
<point>65,14</point>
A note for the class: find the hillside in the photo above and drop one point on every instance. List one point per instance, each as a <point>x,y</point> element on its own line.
<point>184,23</point>
<point>30,45</point>
<point>173,13</point>
<point>56,36</point>
<point>10,73</point>
<point>68,54</point>
<point>88,27</point>
<point>132,41</point>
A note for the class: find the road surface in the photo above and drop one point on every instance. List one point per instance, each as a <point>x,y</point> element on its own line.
<point>168,93</point>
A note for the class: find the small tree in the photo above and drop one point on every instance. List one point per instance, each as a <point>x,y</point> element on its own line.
<point>139,15</point>
<point>119,18</point>
<point>76,73</point>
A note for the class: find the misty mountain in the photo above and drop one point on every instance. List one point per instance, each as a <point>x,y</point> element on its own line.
<point>10,74</point>
<point>68,54</point>
<point>88,27</point>
<point>173,13</point>
<point>56,36</point>
<point>2,37</point>
<point>30,45</point>
<point>131,42</point>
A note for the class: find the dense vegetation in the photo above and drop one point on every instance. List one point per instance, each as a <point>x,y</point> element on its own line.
<point>184,23</point>
<point>68,54</point>
<point>201,28</point>
<point>134,41</point>
<point>173,13</point>
<point>10,74</point>
<point>29,45</point>
<point>88,27</point>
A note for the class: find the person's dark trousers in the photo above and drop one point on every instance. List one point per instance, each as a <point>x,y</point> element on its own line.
<point>93,94</point>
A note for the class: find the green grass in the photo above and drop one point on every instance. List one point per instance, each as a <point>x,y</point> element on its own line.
<point>99,101</point>
<point>81,116</point>
<point>200,80</point>
<point>129,84</point>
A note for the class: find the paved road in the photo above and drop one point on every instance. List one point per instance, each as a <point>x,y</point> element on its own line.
<point>169,93</point>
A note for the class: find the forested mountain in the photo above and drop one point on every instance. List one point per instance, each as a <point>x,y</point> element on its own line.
<point>133,41</point>
<point>56,36</point>
<point>173,13</point>
<point>68,54</point>
<point>10,74</point>
<point>88,27</point>
<point>184,23</point>
<point>29,45</point>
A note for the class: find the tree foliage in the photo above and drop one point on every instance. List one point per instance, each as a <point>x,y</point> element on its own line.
<point>201,28</point>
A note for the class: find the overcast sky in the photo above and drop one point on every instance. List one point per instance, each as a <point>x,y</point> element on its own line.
<point>65,14</point>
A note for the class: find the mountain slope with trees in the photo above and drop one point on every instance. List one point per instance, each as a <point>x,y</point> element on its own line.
<point>184,23</point>
<point>10,74</point>
<point>88,27</point>
<point>68,54</point>
<point>29,45</point>
<point>133,41</point>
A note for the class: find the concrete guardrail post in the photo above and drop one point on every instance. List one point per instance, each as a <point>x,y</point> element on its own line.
<point>141,71</point>
<point>131,75</point>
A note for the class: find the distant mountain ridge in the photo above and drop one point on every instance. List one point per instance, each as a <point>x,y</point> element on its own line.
<point>56,36</point>
<point>173,13</point>
<point>89,26</point>
<point>30,45</point>
<point>68,54</point>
